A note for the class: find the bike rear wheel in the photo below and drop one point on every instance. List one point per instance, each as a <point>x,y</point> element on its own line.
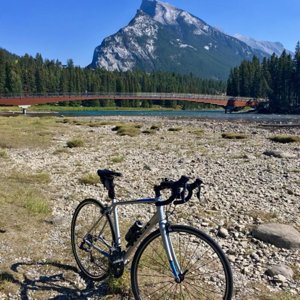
<point>205,269</point>
<point>92,235</point>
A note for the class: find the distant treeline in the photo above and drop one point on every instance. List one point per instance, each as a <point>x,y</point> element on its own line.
<point>275,78</point>
<point>34,75</point>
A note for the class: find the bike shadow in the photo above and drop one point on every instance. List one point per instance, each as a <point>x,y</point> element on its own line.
<point>55,281</point>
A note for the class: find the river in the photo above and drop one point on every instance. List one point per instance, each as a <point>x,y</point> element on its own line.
<point>203,114</point>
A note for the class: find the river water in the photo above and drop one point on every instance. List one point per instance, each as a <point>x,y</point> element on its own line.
<point>203,114</point>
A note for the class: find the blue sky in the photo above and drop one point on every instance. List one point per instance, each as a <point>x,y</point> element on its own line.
<point>62,29</point>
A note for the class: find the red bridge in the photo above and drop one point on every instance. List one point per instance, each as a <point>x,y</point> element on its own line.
<point>227,102</point>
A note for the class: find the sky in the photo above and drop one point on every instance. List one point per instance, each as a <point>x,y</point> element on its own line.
<point>65,29</point>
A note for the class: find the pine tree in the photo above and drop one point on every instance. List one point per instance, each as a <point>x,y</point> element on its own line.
<point>296,77</point>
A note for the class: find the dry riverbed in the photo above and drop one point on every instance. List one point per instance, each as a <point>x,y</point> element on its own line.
<point>48,166</point>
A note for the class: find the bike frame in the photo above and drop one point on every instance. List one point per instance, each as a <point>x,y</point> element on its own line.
<point>158,218</point>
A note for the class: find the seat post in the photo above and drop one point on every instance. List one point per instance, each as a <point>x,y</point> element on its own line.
<point>107,179</point>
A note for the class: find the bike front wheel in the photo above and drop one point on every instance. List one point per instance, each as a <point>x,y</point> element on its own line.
<point>204,268</point>
<point>92,236</point>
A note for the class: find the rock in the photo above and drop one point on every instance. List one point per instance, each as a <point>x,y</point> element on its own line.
<point>57,220</point>
<point>279,278</point>
<point>223,232</point>
<point>279,235</point>
<point>249,156</point>
<point>279,154</point>
<point>280,270</point>
<point>231,258</point>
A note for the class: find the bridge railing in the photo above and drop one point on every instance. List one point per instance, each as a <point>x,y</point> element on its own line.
<point>137,94</point>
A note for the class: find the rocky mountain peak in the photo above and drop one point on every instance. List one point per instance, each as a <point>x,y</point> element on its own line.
<point>161,12</point>
<point>162,37</point>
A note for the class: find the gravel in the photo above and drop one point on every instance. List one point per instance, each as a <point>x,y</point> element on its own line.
<point>243,188</point>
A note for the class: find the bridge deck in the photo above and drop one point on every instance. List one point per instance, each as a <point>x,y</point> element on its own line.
<point>54,98</point>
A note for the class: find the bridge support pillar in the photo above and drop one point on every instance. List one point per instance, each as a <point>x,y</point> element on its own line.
<point>24,108</point>
<point>229,109</point>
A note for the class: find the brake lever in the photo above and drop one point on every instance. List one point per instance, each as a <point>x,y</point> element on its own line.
<point>198,192</point>
<point>199,183</point>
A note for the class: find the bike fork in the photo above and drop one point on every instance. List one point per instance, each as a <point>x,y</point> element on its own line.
<point>167,243</point>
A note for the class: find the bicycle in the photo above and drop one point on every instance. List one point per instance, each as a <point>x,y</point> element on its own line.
<point>171,262</point>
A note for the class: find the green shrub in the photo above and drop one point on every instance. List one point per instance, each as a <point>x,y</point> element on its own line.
<point>197,132</point>
<point>75,143</point>
<point>89,179</point>
<point>3,154</point>
<point>175,129</point>
<point>127,129</point>
<point>117,159</point>
<point>285,139</point>
<point>148,131</point>
<point>120,285</point>
<point>37,205</point>
<point>234,136</point>
<point>154,127</point>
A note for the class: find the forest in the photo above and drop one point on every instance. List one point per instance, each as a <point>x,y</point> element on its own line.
<point>275,78</point>
<point>34,75</point>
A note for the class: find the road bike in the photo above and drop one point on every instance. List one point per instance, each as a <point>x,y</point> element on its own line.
<point>169,261</point>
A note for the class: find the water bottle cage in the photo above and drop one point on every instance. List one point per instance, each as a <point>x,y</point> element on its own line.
<point>133,233</point>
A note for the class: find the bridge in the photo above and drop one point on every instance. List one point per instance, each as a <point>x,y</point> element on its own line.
<point>228,103</point>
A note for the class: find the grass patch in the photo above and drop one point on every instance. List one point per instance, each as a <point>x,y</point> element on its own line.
<point>197,132</point>
<point>17,189</point>
<point>89,179</point>
<point>127,129</point>
<point>25,197</point>
<point>296,270</point>
<point>36,204</point>
<point>7,282</point>
<point>24,132</point>
<point>75,143</point>
<point>233,136</point>
<point>284,295</point>
<point>25,178</point>
<point>285,139</point>
<point>120,285</point>
<point>117,159</point>
<point>3,154</point>
<point>263,215</point>
<point>79,122</point>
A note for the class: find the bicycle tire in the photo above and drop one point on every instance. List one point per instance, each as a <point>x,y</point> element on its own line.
<point>88,222</point>
<point>152,278</point>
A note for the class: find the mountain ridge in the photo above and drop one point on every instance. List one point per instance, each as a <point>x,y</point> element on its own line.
<point>162,37</point>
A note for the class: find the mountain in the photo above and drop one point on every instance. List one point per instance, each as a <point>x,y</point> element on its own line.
<point>162,37</point>
<point>265,46</point>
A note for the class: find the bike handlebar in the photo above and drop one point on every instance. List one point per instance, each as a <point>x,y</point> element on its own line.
<point>178,190</point>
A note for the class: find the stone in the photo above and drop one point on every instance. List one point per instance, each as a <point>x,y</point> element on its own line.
<point>279,154</point>
<point>279,278</point>
<point>57,220</point>
<point>280,270</point>
<point>279,235</point>
<point>223,232</point>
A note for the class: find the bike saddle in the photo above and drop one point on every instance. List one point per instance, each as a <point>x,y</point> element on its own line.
<point>108,174</point>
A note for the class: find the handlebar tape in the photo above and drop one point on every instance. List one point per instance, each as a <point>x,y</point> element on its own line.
<point>176,192</point>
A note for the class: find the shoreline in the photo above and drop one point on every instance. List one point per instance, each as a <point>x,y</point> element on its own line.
<point>242,117</point>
